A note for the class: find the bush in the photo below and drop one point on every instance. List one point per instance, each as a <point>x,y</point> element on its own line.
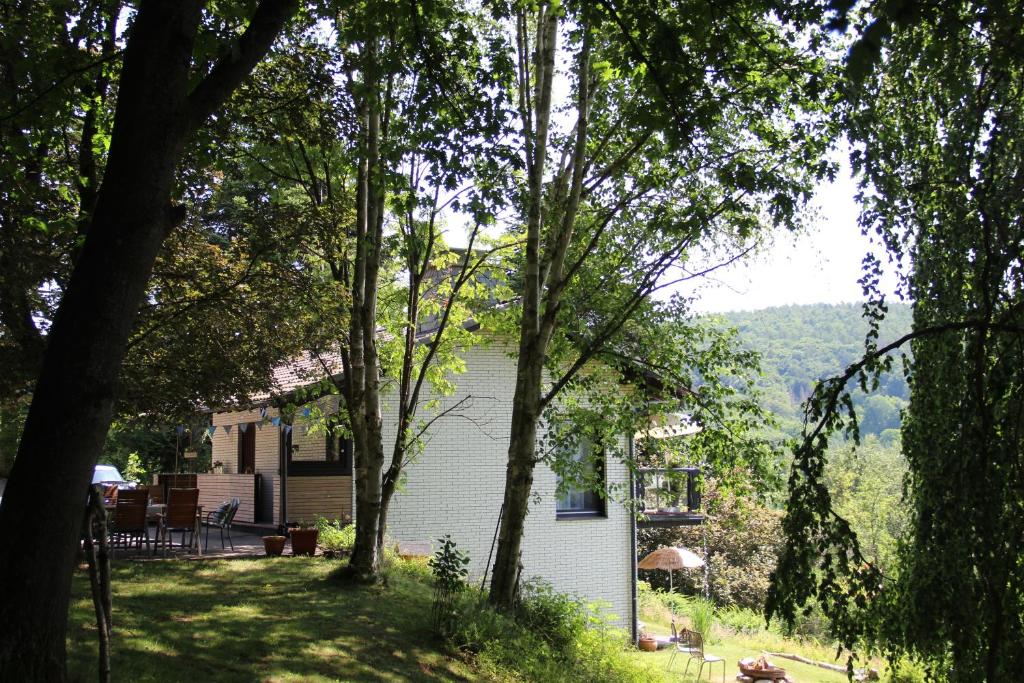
<point>743,542</point>
<point>556,618</point>
<point>552,638</point>
<point>741,620</point>
<point>335,537</point>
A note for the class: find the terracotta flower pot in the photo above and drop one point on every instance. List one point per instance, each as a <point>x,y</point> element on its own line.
<point>303,541</point>
<point>648,644</point>
<point>274,545</point>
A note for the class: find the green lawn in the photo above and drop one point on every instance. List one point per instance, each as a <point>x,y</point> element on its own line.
<point>275,619</point>
<point>734,647</point>
<point>282,619</point>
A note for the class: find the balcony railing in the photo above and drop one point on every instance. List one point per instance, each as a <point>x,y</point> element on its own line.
<point>669,496</point>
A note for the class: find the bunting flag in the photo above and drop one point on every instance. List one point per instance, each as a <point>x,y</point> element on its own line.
<point>210,430</point>
<point>263,412</point>
<point>306,412</point>
<point>305,429</point>
<point>276,421</point>
<point>259,426</point>
<point>181,429</point>
<point>287,430</point>
<point>243,427</point>
<point>227,429</point>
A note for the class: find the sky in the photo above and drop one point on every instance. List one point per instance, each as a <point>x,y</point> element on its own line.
<point>819,266</point>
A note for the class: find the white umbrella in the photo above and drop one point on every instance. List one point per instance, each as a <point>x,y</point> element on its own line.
<point>670,558</point>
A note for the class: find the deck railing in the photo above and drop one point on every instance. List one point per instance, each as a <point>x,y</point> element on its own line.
<point>669,495</point>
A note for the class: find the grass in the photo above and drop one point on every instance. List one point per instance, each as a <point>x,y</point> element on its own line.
<point>282,619</point>
<point>277,619</point>
<point>733,647</point>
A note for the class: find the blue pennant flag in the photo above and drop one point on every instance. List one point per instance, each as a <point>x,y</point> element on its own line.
<point>181,429</point>
<point>259,426</point>
<point>306,412</point>
<point>244,426</point>
<point>263,411</point>
<point>227,429</point>
<point>287,429</point>
<point>276,421</point>
<point>211,430</point>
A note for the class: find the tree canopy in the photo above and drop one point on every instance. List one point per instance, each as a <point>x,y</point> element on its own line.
<point>934,109</point>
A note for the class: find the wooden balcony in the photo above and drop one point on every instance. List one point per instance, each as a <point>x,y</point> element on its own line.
<point>669,496</point>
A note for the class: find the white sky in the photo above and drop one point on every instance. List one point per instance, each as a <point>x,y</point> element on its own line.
<point>819,266</point>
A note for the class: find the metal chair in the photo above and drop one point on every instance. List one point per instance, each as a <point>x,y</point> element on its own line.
<point>180,516</point>
<point>222,518</point>
<point>129,522</point>
<point>696,643</point>
<point>681,641</point>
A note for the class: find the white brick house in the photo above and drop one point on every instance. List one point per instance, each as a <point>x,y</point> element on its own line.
<point>454,486</point>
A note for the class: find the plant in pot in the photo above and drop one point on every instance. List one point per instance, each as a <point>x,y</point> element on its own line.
<point>304,537</point>
<point>274,545</point>
<point>218,467</point>
<point>647,642</point>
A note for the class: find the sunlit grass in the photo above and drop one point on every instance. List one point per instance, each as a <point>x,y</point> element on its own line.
<point>264,619</point>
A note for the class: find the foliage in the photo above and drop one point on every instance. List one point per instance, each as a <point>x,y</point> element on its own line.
<point>573,643</point>
<point>639,170</point>
<point>448,566</point>
<point>937,123</point>
<point>741,539</point>
<point>797,346</point>
<point>866,485</point>
<point>702,617</point>
<point>334,535</point>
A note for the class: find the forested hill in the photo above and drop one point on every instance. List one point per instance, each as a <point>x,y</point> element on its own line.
<point>801,344</point>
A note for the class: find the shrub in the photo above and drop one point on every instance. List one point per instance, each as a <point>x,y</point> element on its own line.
<point>743,542</point>
<point>557,618</point>
<point>741,620</point>
<point>448,566</point>
<point>552,638</point>
<point>335,537</point>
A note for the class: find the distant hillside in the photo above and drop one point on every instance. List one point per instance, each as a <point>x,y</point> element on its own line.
<point>800,345</point>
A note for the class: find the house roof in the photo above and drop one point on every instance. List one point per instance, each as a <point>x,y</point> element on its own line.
<point>299,372</point>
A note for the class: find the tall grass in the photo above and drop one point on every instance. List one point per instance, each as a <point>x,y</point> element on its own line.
<point>702,617</point>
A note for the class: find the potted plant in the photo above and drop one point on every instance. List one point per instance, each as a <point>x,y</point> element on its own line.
<point>274,545</point>
<point>218,467</point>
<point>304,537</point>
<point>647,642</point>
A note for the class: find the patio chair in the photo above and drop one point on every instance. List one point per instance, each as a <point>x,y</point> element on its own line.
<point>222,518</point>
<point>680,642</point>
<point>696,643</point>
<point>179,516</point>
<point>156,494</point>
<point>129,524</point>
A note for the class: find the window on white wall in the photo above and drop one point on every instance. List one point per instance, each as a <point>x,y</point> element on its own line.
<point>581,486</point>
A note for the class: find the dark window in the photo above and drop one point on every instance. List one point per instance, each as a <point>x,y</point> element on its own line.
<point>581,489</point>
<point>247,448</point>
<point>337,457</point>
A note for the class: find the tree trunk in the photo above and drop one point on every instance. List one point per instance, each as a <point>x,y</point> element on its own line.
<point>74,396</point>
<point>518,478</point>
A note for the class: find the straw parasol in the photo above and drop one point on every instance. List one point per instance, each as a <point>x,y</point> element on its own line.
<point>671,558</point>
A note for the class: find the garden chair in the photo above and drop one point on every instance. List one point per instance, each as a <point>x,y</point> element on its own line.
<point>129,522</point>
<point>681,641</point>
<point>222,518</point>
<point>180,516</point>
<point>696,644</point>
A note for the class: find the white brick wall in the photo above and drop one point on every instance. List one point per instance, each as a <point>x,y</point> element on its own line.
<point>457,484</point>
